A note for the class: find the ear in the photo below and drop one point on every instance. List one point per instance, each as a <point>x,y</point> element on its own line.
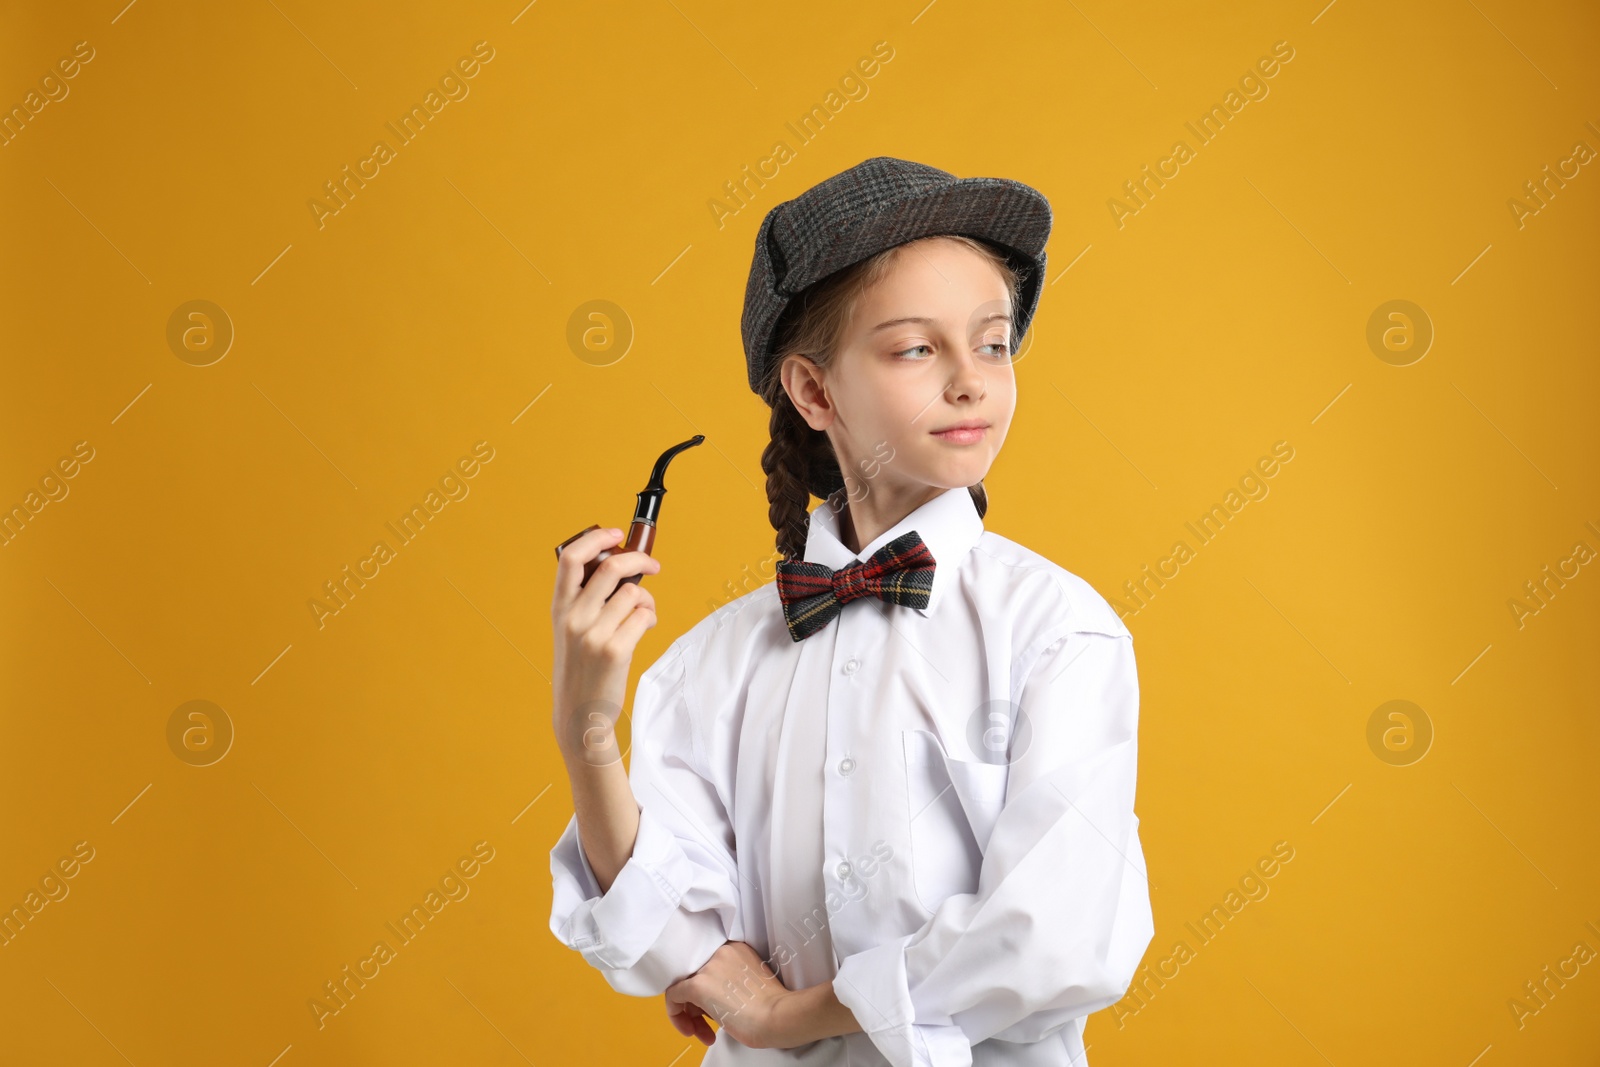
<point>804,382</point>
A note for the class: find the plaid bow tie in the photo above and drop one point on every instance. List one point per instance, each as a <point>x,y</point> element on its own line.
<point>901,572</point>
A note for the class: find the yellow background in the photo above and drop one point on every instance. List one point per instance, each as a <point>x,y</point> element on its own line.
<point>373,752</point>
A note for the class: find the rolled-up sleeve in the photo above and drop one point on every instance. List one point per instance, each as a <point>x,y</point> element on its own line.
<point>1061,916</point>
<point>676,897</point>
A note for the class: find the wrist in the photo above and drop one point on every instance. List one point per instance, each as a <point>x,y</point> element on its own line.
<point>810,1014</point>
<point>788,1020</point>
<point>586,735</point>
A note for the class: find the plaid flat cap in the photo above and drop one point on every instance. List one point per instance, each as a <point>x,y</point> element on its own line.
<point>875,205</point>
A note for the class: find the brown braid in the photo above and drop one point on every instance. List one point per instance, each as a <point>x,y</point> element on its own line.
<point>800,462</point>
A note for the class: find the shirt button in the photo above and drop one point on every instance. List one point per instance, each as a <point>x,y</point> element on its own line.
<point>850,665</point>
<point>844,871</point>
<point>847,765</point>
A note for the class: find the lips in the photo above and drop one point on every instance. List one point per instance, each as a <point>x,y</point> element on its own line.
<point>965,432</point>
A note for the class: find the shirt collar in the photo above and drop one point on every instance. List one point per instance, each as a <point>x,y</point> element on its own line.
<point>949,525</point>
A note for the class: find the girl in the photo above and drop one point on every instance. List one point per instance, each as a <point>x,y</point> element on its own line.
<point>879,810</point>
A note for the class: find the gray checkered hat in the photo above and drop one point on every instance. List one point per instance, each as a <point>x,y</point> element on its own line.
<point>873,206</point>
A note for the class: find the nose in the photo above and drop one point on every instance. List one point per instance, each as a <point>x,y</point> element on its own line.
<point>967,379</point>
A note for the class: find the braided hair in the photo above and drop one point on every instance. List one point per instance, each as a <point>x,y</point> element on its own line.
<point>799,461</point>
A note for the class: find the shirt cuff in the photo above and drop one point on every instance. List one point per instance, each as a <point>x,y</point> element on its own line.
<point>615,929</point>
<point>873,985</point>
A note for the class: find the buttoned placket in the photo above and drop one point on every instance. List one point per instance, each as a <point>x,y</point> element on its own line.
<point>838,794</point>
<point>860,789</point>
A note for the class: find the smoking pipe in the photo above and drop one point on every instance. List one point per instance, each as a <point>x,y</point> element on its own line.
<point>642,533</point>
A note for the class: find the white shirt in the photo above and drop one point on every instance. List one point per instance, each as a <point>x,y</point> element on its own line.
<point>932,809</point>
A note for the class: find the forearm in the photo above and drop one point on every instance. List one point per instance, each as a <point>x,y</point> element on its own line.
<point>813,1013</point>
<point>608,815</point>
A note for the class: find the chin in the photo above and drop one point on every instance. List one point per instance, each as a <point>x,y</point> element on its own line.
<point>941,465</point>
<point>952,477</point>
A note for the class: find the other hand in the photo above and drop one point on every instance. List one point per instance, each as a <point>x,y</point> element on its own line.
<point>594,642</point>
<point>739,991</point>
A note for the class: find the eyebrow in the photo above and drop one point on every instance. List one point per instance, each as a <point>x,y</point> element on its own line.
<point>922,320</point>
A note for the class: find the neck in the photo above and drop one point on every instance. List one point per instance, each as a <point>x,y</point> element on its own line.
<point>863,521</point>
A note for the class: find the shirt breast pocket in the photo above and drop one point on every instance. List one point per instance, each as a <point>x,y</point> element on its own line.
<point>953,805</point>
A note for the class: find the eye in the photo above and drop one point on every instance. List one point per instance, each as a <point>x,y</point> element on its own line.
<point>914,348</point>
<point>999,349</point>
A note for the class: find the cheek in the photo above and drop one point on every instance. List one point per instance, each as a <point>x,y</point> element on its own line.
<point>1003,397</point>
<point>898,409</point>
<point>908,418</point>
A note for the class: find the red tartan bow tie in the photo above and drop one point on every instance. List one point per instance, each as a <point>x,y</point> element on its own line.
<point>901,572</point>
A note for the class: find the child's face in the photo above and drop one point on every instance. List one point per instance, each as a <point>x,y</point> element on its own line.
<point>891,388</point>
